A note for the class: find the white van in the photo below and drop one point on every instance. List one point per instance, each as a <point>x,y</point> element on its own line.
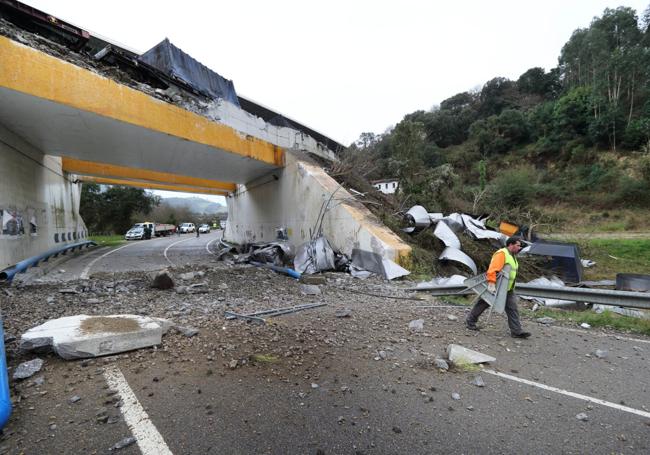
<point>187,228</point>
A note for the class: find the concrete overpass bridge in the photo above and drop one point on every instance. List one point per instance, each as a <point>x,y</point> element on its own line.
<point>68,116</point>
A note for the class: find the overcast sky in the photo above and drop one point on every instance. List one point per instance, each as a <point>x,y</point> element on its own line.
<point>347,67</point>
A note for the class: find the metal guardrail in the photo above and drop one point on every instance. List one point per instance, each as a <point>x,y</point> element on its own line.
<point>626,299</point>
<point>9,273</point>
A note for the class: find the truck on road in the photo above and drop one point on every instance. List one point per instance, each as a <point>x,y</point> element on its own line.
<point>139,230</point>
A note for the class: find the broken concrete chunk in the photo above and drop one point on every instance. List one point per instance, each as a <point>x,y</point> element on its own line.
<point>545,320</point>
<point>459,355</point>
<point>162,280</point>
<point>601,353</point>
<point>83,336</point>
<point>309,289</point>
<point>417,325</point>
<point>343,313</point>
<point>123,443</point>
<point>28,369</point>
<point>582,416</point>
<point>187,276</point>
<point>441,364</point>
<point>189,332</point>
<point>478,381</point>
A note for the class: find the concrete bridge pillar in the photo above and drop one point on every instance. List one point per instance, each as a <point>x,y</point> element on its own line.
<point>293,197</point>
<point>39,203</point>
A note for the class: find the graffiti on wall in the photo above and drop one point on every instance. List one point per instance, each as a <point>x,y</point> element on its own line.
<point>17,223</point>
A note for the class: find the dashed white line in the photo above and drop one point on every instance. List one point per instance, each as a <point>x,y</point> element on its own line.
<point>144,431</point>
<point>86,270</point>
<point>175,243</point>
<point>570,394</point>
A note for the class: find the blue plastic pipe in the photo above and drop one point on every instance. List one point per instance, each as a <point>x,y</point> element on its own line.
<point>9,273</point>
<point>5,400</point>
<point>287,271</point>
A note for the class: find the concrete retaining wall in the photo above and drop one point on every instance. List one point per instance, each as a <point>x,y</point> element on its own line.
<point>39,206</point>
<point>292,197</point>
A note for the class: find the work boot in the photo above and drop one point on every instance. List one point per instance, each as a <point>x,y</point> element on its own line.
<point>520,335</point>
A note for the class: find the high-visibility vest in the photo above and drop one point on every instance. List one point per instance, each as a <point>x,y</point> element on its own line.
<point>514,265</point>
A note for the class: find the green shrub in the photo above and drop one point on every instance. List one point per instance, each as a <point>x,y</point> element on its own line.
<point>632,192</point>
<point>514,188</point>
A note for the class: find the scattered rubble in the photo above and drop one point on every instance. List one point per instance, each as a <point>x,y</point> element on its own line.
<point>478,381</point>
<point>123,443</point>
<point>416,325</point>
<point>28,369</point>
<point>441,364</point>
<point>601,353</point>
<point>582,416</point>
<point>545,320</point>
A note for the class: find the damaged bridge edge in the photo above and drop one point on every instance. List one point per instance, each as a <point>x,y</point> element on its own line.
<point>293,198</point>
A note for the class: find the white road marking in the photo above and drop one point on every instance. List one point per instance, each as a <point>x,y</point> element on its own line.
<point>570,394</point>
<point>147,436</point>
<point>599,334</point>
<point>207,245</point>
<point>86,270</point>
<point>175,243</point>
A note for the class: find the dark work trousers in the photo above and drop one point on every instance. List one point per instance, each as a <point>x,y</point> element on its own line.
<point>511,311</point>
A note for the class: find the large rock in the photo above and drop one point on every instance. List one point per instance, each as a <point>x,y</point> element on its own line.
<point>458,355</point>
<point>82,336</point>
<point>162,280</point>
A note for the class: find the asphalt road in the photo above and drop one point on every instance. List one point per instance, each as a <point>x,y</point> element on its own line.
<point>139,255</point>
<point>328,390</point>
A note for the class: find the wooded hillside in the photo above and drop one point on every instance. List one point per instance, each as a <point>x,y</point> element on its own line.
<point>577,134</point>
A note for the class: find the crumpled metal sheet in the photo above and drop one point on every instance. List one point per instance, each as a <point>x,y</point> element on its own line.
<point>393,270</point>
<point>314,256</point>
<point>455,222</point>
<point>447,236</point>
<point>479,231</point>
<point>418,218</point>
<point>456,255</point>
<point>375,263</point>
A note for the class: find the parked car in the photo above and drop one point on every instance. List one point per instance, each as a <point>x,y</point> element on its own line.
<point>204,228</point>
<point>139,230</point>
<point>186,228</point>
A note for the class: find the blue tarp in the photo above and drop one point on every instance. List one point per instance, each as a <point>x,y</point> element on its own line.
<point>177,64</point>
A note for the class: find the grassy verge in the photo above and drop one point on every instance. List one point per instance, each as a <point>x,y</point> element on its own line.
<point>614,256</point>
<point>107,240</point>
<point>605,319</point>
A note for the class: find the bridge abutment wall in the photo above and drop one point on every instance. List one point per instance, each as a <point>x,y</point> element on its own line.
<point>295,198</point>
<point>39,205</point>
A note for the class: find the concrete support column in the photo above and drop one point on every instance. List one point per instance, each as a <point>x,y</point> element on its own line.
<point>293,197</point>
<point>39,205</point>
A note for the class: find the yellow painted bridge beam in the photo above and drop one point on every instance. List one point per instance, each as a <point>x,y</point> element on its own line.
<point>36,73</point>
<point>111,171</point>
<point>151,186</point>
